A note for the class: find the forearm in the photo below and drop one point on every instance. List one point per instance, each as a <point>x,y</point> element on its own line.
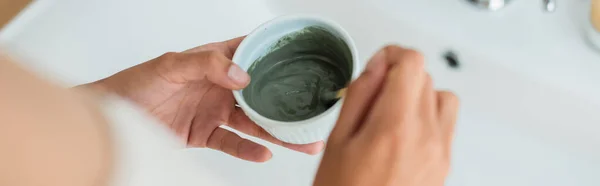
<point>48,135</point>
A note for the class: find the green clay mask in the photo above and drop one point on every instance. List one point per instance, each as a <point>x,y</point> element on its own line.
<point>288,81</point>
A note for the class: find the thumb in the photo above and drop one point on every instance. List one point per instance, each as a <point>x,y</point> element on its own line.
<point>207,65</point>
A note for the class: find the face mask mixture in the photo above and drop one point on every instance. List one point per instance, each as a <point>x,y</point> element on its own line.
<point>287,83</point>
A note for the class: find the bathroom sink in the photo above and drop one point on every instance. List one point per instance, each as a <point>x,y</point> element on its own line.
<point>526,79</point>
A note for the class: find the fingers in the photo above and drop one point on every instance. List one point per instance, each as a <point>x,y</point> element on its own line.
<point>227,48</point>
<point>211,61</point>
<point>241,122</point>
<point>359,97</point>
<point>232,144</point>
<point>447,105</point>
<point>210,65</point>
<point>428,105</point>
<point>232,45</point>
<point>401,93</point>
<point>405,79</point>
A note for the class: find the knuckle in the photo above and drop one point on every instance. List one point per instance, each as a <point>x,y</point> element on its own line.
<point>449,98</point>
<point>212,55</point>
<point>222,142</point>
<point>428,79</point>
<point>414,58</point>
<point>212,58</point>
<point>405,57</point>
<point>207,56</point>
<point>260,133</point>
<point>391,49</point>
<point>165,63</point>
<point>169,56</point>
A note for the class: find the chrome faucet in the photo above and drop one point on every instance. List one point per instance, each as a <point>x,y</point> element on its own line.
<point>489,4</point>
<point>548,5</point>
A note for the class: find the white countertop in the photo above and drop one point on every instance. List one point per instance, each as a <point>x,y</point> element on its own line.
<point>549,47</point>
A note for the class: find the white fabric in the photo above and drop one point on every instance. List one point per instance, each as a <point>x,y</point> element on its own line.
<point>147,153</point>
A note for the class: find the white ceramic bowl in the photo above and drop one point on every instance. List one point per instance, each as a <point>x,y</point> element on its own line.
<point>257,43</point>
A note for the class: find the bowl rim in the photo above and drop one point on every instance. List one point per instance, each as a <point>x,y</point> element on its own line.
<point>343,34</point>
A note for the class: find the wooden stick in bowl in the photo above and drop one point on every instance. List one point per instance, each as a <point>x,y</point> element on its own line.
<point>334,95</point>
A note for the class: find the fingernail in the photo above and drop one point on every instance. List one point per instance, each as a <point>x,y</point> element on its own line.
<point>312,148</point>
<point>319,146</point>
<point>238,75</point>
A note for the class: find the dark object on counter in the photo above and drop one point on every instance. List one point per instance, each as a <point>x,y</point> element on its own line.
<point>452,60</point>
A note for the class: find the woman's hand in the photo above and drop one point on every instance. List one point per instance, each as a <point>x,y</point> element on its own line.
<point>394,128</point>
<point>191,93</point>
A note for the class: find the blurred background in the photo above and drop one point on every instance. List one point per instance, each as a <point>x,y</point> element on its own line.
<point>528,75</point>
